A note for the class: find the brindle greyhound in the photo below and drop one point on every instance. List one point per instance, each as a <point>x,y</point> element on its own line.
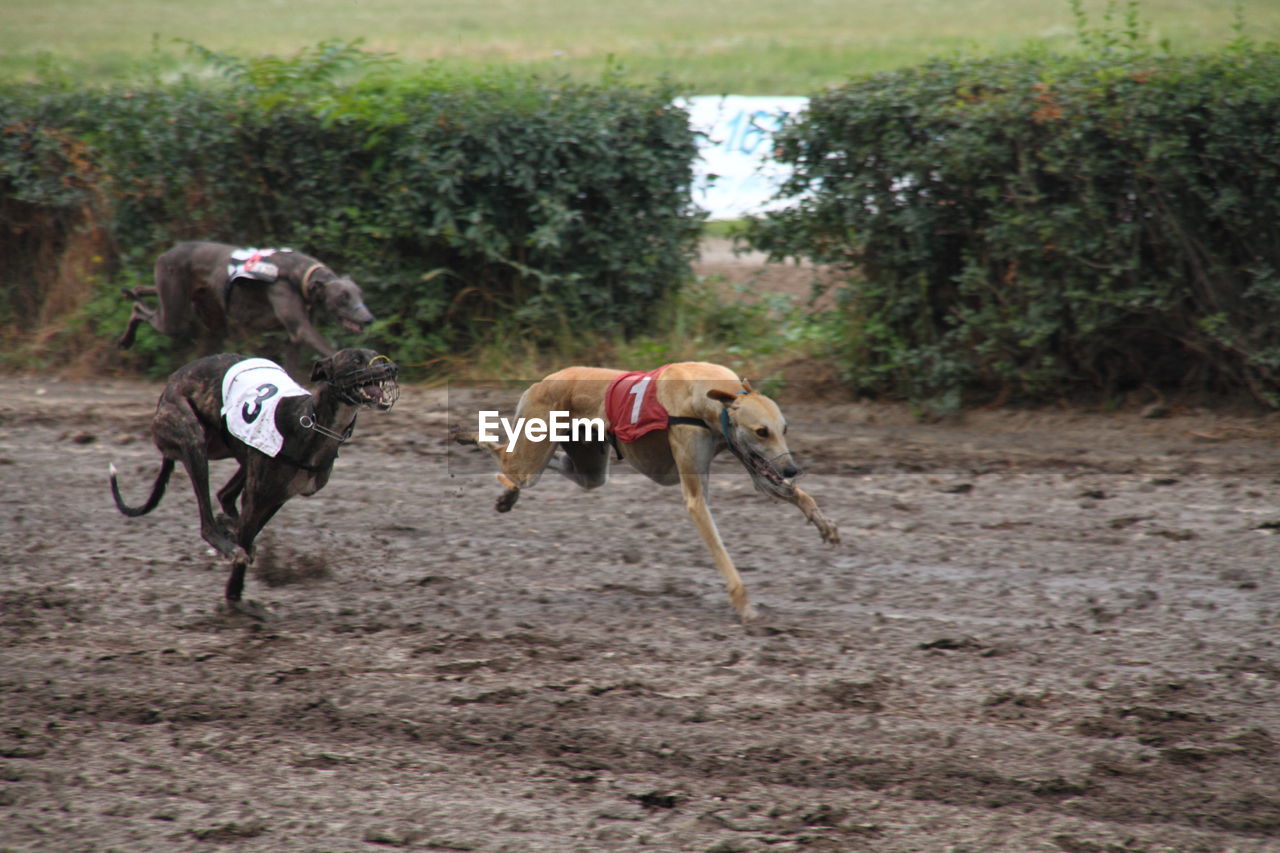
<point>192,284</point>
<point>189,427</point>
<point>710,410</point>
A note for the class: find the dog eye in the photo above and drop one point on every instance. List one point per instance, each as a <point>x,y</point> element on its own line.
<point>763,432</point>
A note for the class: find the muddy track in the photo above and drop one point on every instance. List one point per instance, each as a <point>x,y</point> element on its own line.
<point>1048,630</point>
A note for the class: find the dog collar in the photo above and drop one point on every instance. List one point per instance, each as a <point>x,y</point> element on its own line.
<point>308,422</point>
<point>726,432</point>
<point>727,435</point>
<point>725,429</point>
<point>305,285</point>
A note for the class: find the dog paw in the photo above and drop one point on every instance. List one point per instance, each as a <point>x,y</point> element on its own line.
<point>826,529</point>
<point>247,609</point>
<point>457,436</point>
<point>507,501</point>
<point>221,542</point>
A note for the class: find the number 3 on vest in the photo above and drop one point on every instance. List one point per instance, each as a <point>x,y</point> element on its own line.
<point>265,392</point>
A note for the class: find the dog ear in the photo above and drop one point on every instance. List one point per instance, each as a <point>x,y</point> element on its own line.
<point>746,385</point>
<point>723,397</point>
<point>322,369</point>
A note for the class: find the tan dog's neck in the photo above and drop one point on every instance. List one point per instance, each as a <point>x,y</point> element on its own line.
<point>695,389</point>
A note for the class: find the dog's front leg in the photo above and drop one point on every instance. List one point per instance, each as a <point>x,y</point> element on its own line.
<point>826,527</point>
<point>693,461</point>
<point>292,313</point>
<point>259,505</point>
<point>310,335</point>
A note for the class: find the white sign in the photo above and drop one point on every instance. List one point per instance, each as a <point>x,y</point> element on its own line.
<point>736,174</point>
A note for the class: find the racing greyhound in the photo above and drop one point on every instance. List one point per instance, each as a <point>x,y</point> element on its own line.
<point>708,409</point>
<point>285,438</point>
<point>266,289</point>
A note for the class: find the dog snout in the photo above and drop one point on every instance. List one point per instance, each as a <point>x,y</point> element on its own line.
<point>785,465</point>
<point>355,318</point>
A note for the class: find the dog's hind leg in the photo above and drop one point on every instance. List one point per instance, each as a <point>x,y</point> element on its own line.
<point>141,314</point>
<point>584,462</point>
<point>210,530</point>
<point>229,493</point>
<point>512,489</point>
<point>693,460</point>
<point>180,435</point>
<point>521,468</point>
<point>522,465</point>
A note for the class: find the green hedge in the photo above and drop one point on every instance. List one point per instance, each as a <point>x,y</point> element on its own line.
<point>465,207</point>
<point>1038,225</point>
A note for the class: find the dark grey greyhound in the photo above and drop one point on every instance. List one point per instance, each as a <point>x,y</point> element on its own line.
<point>203,412</point>
<point>208,282</point>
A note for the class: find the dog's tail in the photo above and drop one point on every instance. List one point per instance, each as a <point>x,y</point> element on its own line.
<point>157,491</point>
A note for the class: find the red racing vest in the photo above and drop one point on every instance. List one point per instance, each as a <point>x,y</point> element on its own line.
<point>631,404</point>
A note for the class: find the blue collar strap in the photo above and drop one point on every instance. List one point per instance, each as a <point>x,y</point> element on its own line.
<point>728,437</point>
<point>724,422</point>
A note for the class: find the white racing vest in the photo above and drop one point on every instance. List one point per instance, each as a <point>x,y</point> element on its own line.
<point>251,390</point>
<point>253,263</point>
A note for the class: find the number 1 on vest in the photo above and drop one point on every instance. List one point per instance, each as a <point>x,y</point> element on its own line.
<point>637,390</point>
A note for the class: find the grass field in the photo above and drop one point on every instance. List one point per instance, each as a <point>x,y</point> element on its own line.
<point>713,46</point>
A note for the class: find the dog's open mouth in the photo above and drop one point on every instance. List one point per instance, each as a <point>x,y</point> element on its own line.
<point>373,395</point>
<point>354,318</point>
<point>374,386</point>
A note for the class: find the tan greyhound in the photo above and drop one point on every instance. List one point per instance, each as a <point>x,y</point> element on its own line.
<point>708,409</point>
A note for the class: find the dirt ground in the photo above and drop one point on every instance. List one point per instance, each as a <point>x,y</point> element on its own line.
<point>1048,630</point>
